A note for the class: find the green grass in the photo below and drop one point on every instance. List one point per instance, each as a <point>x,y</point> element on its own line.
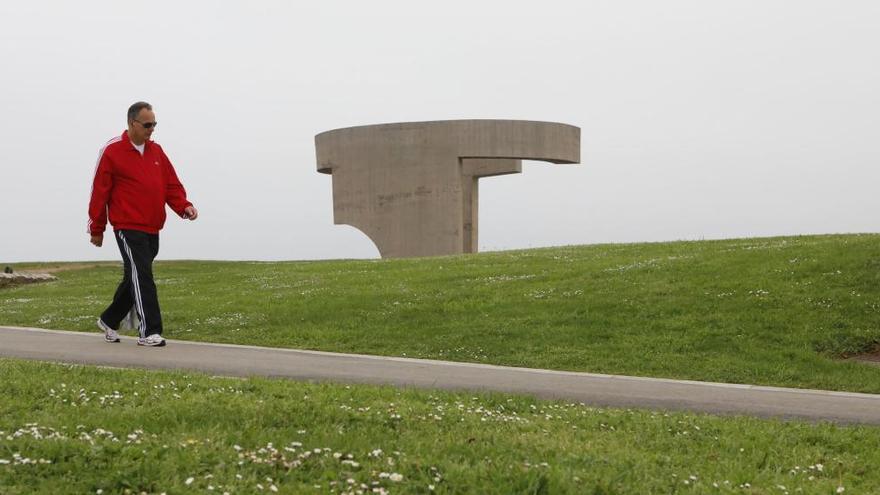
<point>775,311</point>
<point>84,429</point>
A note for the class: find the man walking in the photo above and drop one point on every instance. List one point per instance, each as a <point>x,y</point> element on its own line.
<point>134,180</point>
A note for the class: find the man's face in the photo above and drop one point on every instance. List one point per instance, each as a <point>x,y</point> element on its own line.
<point>137,130</point>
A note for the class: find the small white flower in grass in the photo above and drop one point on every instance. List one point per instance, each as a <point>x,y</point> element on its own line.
<point>259,486</point>
<point>396,477</point>
<point>840,489</point>
<point>431,487</point>
<point>189,481</point>
<point>99,491</point>
<point>273,488</point>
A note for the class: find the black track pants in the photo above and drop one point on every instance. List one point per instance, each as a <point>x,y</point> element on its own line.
<point>137,289</point>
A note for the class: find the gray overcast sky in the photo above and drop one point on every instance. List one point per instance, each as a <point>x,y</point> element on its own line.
<point>700,119</point>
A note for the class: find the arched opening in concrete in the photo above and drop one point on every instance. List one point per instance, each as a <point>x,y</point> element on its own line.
<point>358,243</point>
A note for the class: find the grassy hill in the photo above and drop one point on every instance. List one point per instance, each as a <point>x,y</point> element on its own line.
<point>773,311</point>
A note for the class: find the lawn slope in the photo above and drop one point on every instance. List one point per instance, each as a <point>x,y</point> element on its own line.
<point>771,311</point>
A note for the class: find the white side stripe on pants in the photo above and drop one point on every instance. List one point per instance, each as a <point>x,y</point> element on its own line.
<point>142,328</point>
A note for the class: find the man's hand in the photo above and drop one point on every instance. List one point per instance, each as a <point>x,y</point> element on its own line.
<point>98,239</point>
<point>190,213</point>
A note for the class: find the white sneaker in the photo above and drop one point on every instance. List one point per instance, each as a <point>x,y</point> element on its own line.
<point>110,335</point>
<point>154,340</point>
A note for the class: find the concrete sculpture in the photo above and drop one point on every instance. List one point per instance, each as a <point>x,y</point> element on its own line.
<point>412,187</point>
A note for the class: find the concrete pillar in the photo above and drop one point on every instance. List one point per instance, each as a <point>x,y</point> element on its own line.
<point>413,188</point>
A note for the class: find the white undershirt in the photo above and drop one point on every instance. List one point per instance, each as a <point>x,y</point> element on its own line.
<point>139,147</point>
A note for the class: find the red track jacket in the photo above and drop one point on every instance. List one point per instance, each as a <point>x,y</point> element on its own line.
<point>134,189</point>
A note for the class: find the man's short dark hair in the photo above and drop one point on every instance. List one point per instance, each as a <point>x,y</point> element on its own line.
<point>135,109</point>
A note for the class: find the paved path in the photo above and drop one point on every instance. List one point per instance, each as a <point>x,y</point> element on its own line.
<point>599,390</point>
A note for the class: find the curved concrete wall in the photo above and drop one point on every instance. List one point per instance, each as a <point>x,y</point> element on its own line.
<point>413,187</point>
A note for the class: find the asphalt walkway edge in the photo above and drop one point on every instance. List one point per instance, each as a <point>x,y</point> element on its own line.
<point>588,388</point>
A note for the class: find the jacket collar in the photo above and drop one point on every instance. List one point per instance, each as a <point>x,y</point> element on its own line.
<point>126,140</point>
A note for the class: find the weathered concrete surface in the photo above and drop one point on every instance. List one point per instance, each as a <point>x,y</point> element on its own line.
<point>20,278</point>
<point>412,187</point>
<point>598,390</point>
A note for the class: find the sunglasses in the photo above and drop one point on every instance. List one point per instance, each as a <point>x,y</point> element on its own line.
<point>147,125</point>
